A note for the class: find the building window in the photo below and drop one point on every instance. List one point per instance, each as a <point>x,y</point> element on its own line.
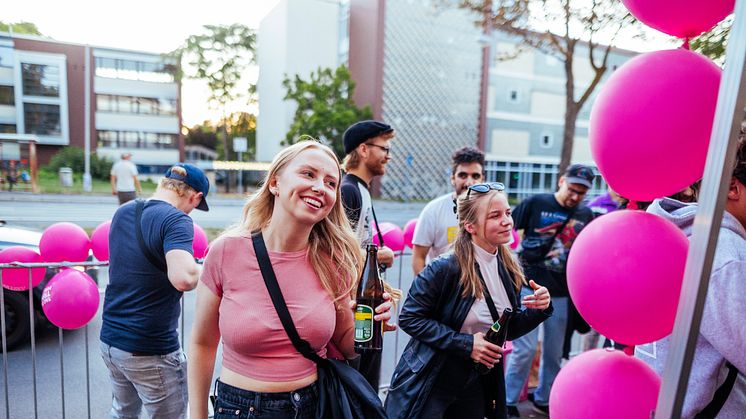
<point>135,70</point>
<point>8,129</point>
<point>547,139</point>
<point>42,119</point>
<point>514,96</point>
<point>7,95</point>
<point>136,139</point>
<point>41,80</point>
<point>135,105</point>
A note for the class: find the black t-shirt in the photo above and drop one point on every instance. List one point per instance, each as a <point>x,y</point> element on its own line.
<point>539,217</point>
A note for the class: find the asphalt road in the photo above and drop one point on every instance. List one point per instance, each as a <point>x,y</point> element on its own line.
<point>46,372</point>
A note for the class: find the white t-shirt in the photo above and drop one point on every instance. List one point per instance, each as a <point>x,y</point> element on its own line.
<point>479,318</point>
<point>124,170</point>
<point>437,226</point>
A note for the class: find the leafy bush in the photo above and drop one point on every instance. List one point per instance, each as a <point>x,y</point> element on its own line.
<point>74,158</point>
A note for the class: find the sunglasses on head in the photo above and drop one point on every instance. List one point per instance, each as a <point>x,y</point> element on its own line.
<point>485,187</point>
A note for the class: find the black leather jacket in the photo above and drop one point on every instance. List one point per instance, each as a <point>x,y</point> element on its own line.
<point>432,315</point>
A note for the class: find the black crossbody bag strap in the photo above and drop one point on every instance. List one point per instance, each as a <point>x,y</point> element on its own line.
<point>488,297</point>
<point>141,242</point>
<point>378,229</point>
<point>270,280</point>
<point>721,395</point>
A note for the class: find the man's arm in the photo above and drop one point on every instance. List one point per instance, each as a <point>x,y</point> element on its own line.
<point>113,179</point>
<point>419,255</point>
<point>137,184</point>
<point>183,271</point>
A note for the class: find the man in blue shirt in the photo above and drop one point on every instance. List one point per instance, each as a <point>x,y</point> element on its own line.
<point>151,264</point>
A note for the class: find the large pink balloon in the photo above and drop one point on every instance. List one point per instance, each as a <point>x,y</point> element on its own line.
<point>200,243</point>
<point>64,242</point>
<point>516,240</point>
<point>100,241</point>
<point>604,383</point>
<point>650,125</point>
<point>624,274</point>
<point>409,232</point>
<point>16,279</point>
<point>393,237</point>
<point>681,18</point>
<point>70,299</point>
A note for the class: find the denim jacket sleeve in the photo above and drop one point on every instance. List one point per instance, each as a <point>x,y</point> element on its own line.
<point>429,312</point>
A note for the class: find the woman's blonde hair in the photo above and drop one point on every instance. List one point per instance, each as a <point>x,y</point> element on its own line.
<point>333,251</point>
<point>463,248</point>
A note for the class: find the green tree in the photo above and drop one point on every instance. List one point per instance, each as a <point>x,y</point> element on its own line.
<point>325,107</point>
<point>74,158</point>
<point>568,23</point>
<point>713,43</point>
<point>220,56</point>
<point>24,28</point>
<point>238,124</point>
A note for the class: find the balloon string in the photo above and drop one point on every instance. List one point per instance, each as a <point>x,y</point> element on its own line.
<point>686,44</point>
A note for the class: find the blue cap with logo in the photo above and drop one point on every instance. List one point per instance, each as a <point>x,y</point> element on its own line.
<point>194,177</point>
<point>580,174</point>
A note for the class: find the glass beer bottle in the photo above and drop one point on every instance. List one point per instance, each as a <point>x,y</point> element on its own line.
<point>497,334</point>
<point>369,332</point>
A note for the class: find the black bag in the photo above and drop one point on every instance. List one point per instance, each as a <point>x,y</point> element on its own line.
<point>343,392</point>
<point>534,249</point>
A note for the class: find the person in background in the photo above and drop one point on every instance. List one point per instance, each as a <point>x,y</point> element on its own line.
<point>437,225</point>
<point>124,182</point>
<point>317,261</point>
<point>151,264</point>
<point>717,385</point>
<point>451,304</point>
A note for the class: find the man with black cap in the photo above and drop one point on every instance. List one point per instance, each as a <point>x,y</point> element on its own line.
<point>550,224</point>
<point>151,264</point>
<point>368,149</point>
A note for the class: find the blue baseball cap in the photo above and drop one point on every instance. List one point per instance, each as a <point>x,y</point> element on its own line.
<point>194,177</point>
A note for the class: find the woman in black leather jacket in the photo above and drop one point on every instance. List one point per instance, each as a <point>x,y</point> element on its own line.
<point>446,313</point>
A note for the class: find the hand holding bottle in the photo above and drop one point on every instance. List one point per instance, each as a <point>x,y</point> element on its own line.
<point>539,300</point>
<point>485,352</point>
<point>383,312</point>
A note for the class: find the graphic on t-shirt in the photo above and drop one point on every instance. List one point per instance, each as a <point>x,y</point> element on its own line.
<point>452,232</point>
<point>556,258</point>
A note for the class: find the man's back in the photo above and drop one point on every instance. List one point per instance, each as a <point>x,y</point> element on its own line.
<point>124,170</point>
<point>141,307</point>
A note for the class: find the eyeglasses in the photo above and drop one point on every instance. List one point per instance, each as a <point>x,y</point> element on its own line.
<point>386,150</point>
<point>486,187</point>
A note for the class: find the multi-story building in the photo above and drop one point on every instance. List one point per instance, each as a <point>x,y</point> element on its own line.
<point>525,113</point>
<point>133,100</point>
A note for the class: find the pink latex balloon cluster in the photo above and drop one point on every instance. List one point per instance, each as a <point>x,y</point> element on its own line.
<point>64,242</point>
<point>393,237</point>
<point>70,299</point>
<point>17,279</point>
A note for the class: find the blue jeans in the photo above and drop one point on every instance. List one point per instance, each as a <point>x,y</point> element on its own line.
<point>524,348</point>
<point>158,382</point>
<point>237,403</point>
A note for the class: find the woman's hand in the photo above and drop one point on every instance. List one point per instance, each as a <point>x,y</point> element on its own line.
<point>383,310</point>
<point>539,300</point>
<point>484,352</point>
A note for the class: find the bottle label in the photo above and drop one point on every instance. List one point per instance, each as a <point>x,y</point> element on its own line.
<point>363,323</point>
<point>495,327</point>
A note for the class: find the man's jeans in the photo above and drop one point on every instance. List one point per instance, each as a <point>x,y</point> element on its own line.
<point>159,382</point>
<point>524,348</point>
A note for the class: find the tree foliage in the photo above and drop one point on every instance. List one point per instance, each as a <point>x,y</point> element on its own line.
<point>74,158</point>
<point>713,43</point>
<point>325,107</point>
<point>557,27</point>
<point>239,124</point>
<point>23,28</point>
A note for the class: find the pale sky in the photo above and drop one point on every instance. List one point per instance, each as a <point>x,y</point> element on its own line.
<point>157,26</point>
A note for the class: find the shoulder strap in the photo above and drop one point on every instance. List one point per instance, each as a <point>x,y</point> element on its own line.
<point>375,220</point>
<point>488,297</point>
<point>141,242</point>
<point>270,280</point>
<point>721,394</point>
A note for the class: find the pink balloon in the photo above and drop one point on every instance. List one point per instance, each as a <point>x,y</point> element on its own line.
<point>680,18</point>
<point>650,125</point>
<point>199,245</point>
<point>409,232</point>
<point>100,241</point>
<point>16,279</point>
<point>393,237</point>
<point>604,383</point>
<point>64,242</point>
<point>516,240</point>
<point>622,266</point>
<point>70,299</point>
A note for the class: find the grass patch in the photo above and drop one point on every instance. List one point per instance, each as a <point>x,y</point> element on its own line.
<point>49,182</point>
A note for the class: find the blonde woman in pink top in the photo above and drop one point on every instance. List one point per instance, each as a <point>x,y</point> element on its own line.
<point>316,259</point>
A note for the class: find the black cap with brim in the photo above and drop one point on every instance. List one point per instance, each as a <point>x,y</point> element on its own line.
<point>363,131</point>
<point>195,178</point>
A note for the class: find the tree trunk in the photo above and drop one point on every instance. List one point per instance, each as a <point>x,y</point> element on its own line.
<point>226,153</point>
<point>571,110</point>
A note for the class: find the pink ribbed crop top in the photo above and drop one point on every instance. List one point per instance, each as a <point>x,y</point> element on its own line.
<point>254,342</point>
